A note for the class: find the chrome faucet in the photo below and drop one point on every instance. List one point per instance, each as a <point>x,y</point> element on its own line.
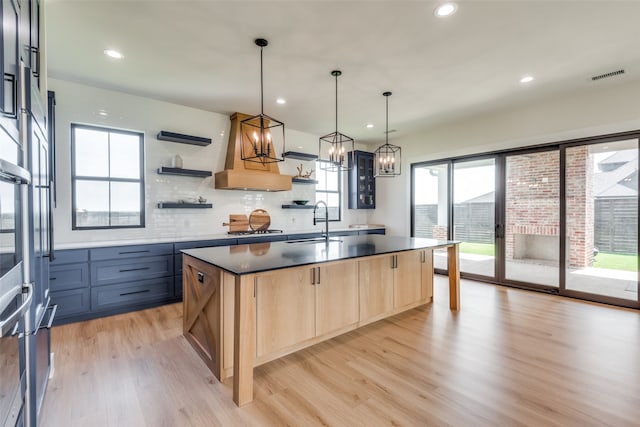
<point>326,219</point>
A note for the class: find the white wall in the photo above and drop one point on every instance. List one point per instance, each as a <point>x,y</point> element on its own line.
<point>606,108</point>
<point>78,103</point>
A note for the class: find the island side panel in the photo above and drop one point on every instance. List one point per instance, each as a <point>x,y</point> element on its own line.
<point>454,276</point>
<point>202,308</point>
<point>244,339</point>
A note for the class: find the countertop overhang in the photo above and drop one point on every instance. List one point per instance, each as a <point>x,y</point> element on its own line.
<point>261,257</point>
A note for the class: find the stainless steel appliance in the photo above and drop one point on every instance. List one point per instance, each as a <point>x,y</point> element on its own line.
<point>15,296</point>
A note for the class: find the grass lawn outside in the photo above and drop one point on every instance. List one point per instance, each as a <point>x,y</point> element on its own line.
<point>602,260</point>
<point>478,248</point>
<point>616,261</point>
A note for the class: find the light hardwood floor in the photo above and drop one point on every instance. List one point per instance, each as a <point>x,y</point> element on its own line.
<point>509,357</point>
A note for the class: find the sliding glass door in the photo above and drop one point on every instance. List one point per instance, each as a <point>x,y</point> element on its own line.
<point>601,243</point>
<point>532,218</point>
<point>561,218</point>
<point>431,206</point>
<point>474,207</point>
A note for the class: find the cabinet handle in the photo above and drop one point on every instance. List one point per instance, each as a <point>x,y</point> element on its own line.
<point>35,51</point>
<point>313,276</point>
<point>132,252</point>
<point>134,269</point>
<point>9,110</point>
<point>318,275</point>
<point>135,292</point>
<point>200,277</point>
<point>422,257</point>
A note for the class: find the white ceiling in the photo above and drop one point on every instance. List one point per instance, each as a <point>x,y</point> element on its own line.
<point>202,54</point>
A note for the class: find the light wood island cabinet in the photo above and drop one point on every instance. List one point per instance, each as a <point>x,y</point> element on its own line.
<point>238,316</point>
<point>336,296</point>
<point>285,309</point>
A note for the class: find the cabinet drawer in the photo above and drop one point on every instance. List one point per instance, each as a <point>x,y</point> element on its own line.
<point>72,302</point>
<point>70,256</point>
<point>68,276</point>
<point>115,271</point>
<point>127,252</point>
<point>137,292</point>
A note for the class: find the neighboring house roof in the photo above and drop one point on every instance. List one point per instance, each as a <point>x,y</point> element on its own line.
<point>618,190</point>
<point>609,184</point>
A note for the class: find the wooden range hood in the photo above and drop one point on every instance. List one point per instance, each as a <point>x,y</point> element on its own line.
<point>241,175</point>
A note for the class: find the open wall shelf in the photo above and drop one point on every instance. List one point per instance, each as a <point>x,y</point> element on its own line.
<point>164,135</point>
<point>297,206</point>
<point>300,156</point>
<point>303,181</point>
<point>176,205</point>
<point>183,172</point>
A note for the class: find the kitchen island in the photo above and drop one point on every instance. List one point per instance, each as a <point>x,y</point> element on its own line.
<point>250,304</point>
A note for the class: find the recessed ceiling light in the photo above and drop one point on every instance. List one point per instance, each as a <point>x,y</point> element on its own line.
<point>103,113</point>
<point>113,54</point>
<point>369,125</point>
<point>281,101</point>
<point>526,79</point>
<point>445,9</point>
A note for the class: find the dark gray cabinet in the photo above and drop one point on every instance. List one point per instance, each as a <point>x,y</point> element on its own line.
<point>69,283</point>
<point>361,183</point>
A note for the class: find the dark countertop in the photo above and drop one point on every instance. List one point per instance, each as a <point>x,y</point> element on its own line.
<point>260,257</point>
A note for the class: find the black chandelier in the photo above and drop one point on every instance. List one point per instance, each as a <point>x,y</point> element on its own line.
<point>388,160</point>
<point>261,133</point>
<point>334,148</point>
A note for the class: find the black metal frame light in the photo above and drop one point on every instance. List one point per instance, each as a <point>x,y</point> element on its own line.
<point>261,133</point>
<point>388,156</point>
<point>332,150</point>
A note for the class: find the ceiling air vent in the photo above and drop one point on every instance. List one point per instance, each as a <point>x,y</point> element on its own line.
<point>607,75</point>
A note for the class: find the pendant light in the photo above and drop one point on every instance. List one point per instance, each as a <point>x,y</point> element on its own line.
<point>388,160</point>
<point>261,133</point>
<point>335,149</point>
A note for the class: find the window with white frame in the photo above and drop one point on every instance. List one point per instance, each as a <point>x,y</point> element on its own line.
<point>107,178</point>
<point>329,190</point>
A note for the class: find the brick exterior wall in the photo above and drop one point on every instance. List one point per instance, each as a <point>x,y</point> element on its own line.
<point>533,203</point>
<point>580,207</point>
<point>533,195</point>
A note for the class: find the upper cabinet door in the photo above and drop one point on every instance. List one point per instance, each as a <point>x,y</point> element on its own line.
<point>9,88</point>
<point>362,184</point>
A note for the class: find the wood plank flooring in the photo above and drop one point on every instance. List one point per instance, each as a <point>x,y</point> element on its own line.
<point>507,358</point>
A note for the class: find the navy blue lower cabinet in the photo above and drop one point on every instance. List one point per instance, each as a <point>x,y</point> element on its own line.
<point>130,252</point>
<point>131,293</point>
<point>118,271</point>
<point>68,276</point>
<point>70,303</point>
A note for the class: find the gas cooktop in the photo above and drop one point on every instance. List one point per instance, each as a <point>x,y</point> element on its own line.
<point>245,232</point>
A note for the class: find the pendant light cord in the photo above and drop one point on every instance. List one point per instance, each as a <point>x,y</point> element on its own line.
<point>336,103</point>
<point>387,128</point>
<point>261,86</point>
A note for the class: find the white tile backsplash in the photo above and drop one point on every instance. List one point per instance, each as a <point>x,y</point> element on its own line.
<point>77,103</point>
